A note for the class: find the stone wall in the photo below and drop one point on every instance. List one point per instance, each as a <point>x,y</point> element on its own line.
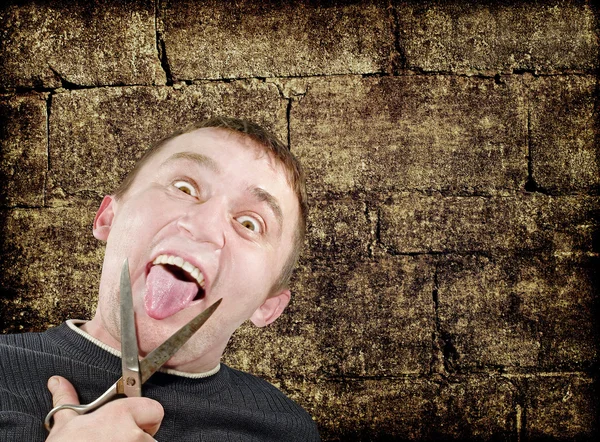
<point>449,287</point>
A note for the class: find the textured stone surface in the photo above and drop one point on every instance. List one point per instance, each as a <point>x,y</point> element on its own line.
<point>564,126</point>
<point>562,225</point>
<point>49,267</point>
<point>48,43</point>
<point>517,313</point>
<point>23,149</point>
<point>372,319</point>
<point>215,39</point>
<point>449,289</point>
<point>466,408</point>
<point>98,133</point>
<point>562,408</point>
<point>475,407</point>
<point>367,410</point>
<point>339,231</point>
<point>418,133</point>
<point>473,36</point>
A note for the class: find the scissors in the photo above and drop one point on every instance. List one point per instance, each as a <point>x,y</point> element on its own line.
<point>135,373</point>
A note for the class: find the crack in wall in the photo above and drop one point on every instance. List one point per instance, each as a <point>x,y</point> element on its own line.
<point>161,48</point>
<point>288,96</point>
<point>69,85</point>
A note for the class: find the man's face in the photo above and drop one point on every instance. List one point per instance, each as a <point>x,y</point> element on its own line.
<point>214,203</point>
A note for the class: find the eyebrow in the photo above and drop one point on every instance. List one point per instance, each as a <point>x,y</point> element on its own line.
<point>201,160</point>
<point>264,196</point>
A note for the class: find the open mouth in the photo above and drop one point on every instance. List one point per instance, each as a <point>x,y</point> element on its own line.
<point>183,271</point>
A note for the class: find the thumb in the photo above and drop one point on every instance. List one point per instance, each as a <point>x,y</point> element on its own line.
<point>63,393</point>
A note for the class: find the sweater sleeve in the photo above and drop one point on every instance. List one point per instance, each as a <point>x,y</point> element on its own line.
<point>24,398</point>
<point>18,426</point>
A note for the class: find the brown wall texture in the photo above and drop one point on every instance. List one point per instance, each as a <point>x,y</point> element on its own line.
<point>449,287</point>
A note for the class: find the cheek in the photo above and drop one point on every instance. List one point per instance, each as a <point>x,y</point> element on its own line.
<point>136,226</point>
<point>252,275</point>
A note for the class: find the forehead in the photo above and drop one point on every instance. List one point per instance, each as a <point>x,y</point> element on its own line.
<point>221,146</point>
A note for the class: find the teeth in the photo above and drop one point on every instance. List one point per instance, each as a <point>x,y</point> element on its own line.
<point>179,262</point>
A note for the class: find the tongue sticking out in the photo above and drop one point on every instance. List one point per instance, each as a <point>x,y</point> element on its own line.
<point>166,294</point>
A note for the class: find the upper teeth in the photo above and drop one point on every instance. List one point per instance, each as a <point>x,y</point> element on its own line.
<point>180,262</point>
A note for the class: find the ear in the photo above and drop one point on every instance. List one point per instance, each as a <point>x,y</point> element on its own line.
<point>104,218</point>
<point>271,309</point>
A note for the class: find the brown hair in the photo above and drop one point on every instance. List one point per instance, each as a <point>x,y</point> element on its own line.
<point>270,144</point>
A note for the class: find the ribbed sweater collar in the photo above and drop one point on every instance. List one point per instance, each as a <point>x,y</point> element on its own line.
<point>81,349</point>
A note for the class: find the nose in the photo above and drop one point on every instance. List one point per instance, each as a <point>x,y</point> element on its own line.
<point>205,222</point>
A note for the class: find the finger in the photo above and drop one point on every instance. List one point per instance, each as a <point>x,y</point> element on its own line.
<point>146,413</point>
<point>62,393</point>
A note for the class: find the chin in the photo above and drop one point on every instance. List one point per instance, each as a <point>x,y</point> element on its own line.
<point>200,351</point>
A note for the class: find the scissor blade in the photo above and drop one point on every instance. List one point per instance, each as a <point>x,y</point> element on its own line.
<point>167,349</point>
<point>130,364</point>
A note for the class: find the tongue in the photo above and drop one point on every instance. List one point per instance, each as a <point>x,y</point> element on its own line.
<point>166,294</point>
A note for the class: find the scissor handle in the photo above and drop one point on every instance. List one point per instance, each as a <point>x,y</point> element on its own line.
<point>82,409</point>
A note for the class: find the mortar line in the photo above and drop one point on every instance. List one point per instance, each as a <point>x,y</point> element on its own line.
<point>48,112</point>
<point>407,73</point>
<point>343,377</point>
<point>523,433</point>
<point>437,353</point>
<point>519,421</point>
<point>372,243</point>
<point>413,72</point>
<point>530,185</point>
<point>22,206</point>
<point>522,411</point>
<point>156,5</point>
<point>288,114</point>
<point>378,227</point>
<point>399,50</point>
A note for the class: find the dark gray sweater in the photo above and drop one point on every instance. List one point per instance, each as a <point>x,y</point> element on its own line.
<point>228,406</point>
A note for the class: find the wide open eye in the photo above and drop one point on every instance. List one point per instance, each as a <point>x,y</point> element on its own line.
<point>185,187</point>
<point>250,223</point>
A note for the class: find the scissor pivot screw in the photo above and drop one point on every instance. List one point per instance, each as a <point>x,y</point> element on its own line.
<point>130,382</point>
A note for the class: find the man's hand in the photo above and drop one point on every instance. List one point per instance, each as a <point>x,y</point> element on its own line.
<point>126,420</point>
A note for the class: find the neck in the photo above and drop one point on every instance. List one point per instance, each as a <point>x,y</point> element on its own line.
<point>209,363</point>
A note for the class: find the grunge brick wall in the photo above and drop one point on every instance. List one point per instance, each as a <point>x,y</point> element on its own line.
<point>449,287</point>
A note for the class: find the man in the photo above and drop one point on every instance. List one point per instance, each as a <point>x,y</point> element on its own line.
<point>216,211</point>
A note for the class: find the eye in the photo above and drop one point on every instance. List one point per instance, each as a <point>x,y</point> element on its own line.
<point>185,187</point>
<point>250,223</point>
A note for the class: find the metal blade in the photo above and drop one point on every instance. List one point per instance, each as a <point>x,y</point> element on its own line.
<point>130,364</point>
<point>167,349</point>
